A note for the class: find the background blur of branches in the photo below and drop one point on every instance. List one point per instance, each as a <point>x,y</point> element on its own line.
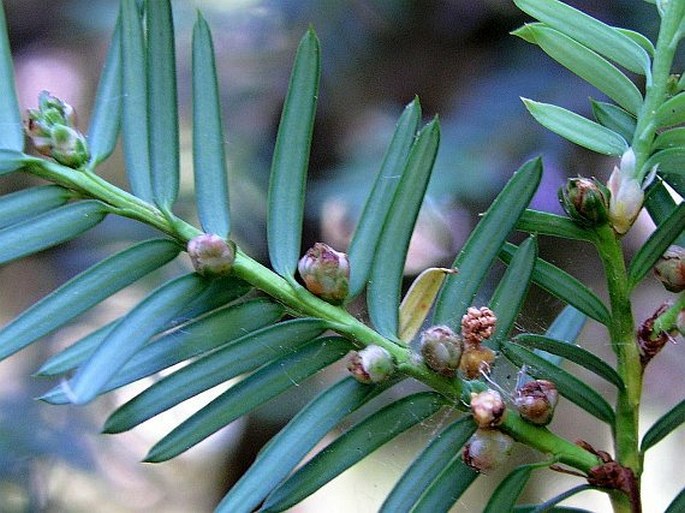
<point>461,62</point>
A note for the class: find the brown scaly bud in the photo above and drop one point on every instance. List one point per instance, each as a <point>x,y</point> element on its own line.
<point>477,324</point>
<point>325,272</point>
<point>211,255</point>
<point>536,400</point>
<point>488,408</point>
<point>487,449</point>
<point>372,364</point>
<point>650,342</point>
<point>476,360</point>
<point>670,269</point>
<point>441,350</point>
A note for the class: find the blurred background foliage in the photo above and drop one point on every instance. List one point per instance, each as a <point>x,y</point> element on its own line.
<point>456,55</point>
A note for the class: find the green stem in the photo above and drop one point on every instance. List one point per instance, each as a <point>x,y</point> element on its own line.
<point>656,91</point>
<point>668,321</point>
<point>624,343</point>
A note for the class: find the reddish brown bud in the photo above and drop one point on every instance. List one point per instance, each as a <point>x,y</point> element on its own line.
<point>536,400</point>
<point>478,324</point>
<point>441,349</point>
<point>487,449</point>
<point>488,408</point>
<point>372,364</point>
<point>476,359</point>
<point>211,255</point>
<point>649,341</point>
<point>670,269</point>
<point>325,272</point>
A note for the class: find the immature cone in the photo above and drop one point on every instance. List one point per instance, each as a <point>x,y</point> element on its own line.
<point>477,325</point>
<point>52,130</point>
<point>476,360</point>
<point>670,269</point>
<point>627,194</point>
<point>372,364</point>
<point>441,349</point>
<point>536,400</point>
<point>586,201</point>
<point>211,255</point>
<point>325,272</point>
<point>488,408</point>
<point>487,449</point>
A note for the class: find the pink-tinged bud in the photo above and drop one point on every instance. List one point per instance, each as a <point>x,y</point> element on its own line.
<point>476,360</point>
<point>325,272</point>
<point>211,255</point>
<point>536,400</point>
<point>487,449</point>
<point>372,364</point>
<point>627,195</point>
<point>488,408</point>
<point>441,350</point>
<point>670,269</point>
<point>586,201</point>
<point>478,324</point>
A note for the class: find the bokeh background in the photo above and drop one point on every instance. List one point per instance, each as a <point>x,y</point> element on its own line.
<point>458,57</point>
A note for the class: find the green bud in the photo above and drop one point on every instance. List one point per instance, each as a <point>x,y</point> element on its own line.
<point>69,146</point>
<point>487,449</point>
<point>325,272</point>
<point>441,350</point>
<point>372,364</point>
<point>211,255</point>
<point>586,201</point>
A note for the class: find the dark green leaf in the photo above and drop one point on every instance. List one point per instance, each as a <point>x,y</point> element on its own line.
<point>544,223</point>
<point>291,159</point>
<point>564,286</point>
<point>426,467</point>
<point>145,320</point>
<point>162,103</point>
<point>187,341</point>
<point>511,291</point>
<point>614,118</point>
<point>658,242</point>
<point>585,63</point>
<point>261,386</point>
<point>573,353</point>
<point>673,138</point>
<point>358,442</point>
<point>483,245</point>
<point>106,117</point>
<point>11,127</point>
<point>673,419</point>
<point>134,108</point>
<point>446,489</point>
<point>277,459</point>
<point>672,111</point>
<point>590,32</point>
<point>365,239</point>
<point>639,39</point>
<point>576,128</point>
<point>85,291</point>
<point>566,327</point>
<point>49,229</point>
<point>385,281</point>
<point>569,386</point>
<point>209,159</point>
<point>77,353</point>
<point>660,204</point>
<point>242,355</point>
<point>26,203</point>
<point>508,491</point>
<point>678,504</point>
<point>550,505</point>
<point>10,160</point>
<point>668,161</point>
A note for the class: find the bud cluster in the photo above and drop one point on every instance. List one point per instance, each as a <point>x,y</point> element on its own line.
<point>325,272</point>
<point>52,129</point>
